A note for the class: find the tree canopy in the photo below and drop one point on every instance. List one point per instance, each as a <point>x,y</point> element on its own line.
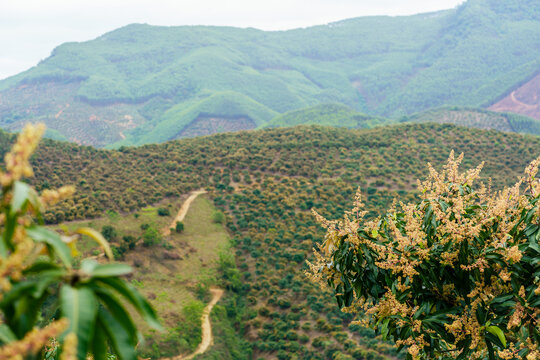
<point>455,275</point>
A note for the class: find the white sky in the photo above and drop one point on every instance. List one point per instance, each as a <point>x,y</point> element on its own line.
<point>30,29</point>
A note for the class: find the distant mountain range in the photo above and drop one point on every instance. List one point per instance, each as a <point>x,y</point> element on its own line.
<point>144,84</point>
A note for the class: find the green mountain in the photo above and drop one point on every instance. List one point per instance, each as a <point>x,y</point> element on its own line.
<point>265,182</point>
<point>142,83</point>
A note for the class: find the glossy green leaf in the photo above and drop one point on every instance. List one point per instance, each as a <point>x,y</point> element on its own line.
<point>80,306</point>
<point>40,266</point>
<point>97,237</point>
<point>108,270</point>
<point>495,330</point>
<point>99,346</point>
<point>19,291</point>
<point>116,308</point>
<point>120,340</point>
<point>53,240</point>
<point>23,193</point>
<point>132,295</point>
<point>6,335</point>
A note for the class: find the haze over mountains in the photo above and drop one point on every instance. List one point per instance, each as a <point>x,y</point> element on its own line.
<point>142,84</point>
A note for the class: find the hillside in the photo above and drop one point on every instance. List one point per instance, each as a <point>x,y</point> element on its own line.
<point>478,118</point>
<point>141,84</point>
<point>328,115</point>
<point>266,182</point>
<point>524,99</point>
<point>342,116</point>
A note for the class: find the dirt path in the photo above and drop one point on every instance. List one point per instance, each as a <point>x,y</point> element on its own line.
<point>516,101</point>
<point>183,211</point>
<point>207,337</point>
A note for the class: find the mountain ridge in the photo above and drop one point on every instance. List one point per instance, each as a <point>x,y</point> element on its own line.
<point>381,66</point>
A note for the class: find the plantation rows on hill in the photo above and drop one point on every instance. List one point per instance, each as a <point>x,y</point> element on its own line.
<point>145,84</point>
<point>266,182</point>
<point>342,116</point>
<point>478,118</point>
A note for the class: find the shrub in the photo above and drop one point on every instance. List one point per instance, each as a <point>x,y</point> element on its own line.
<point>109,232</point>
<point>151,236</point>
<point>130,241</point>
<point>163,212</point>
<point>455,275</point>
<point>218,217</point>
<point>179,227</point>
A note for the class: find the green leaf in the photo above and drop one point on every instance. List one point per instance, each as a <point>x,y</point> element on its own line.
<point>116,308</point>
<point>18,291</point>
<point>120,341</point>
<point>97,237</point>
<point>53,240</point>
<point>495,330</point>
<point>80,306</point>
<point>6,335</point>
<point>88,265</point>
<point>23,193</point>
<point>384,329</point>
<point>132,295</point>
<point>99,342</point>
<point>108,270</point>
<point>40,266</point>
<point>46,279</point>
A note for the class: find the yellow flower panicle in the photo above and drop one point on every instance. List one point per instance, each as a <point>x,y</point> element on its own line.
<point>33,341</point>
<point>17,160</point>
<point>398,244</point>
<point>12,266</point>
<point>70,347</point>
<point>51,197</point>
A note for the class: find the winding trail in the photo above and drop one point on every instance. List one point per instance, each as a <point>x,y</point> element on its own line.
<point>183,211</point>
<point>516,101</point>
<point>207,337</point>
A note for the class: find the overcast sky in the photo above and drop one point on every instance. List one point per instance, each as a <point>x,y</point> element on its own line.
<point>30,29</point>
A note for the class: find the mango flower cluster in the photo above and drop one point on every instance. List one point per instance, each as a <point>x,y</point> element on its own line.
<point>454,276</point>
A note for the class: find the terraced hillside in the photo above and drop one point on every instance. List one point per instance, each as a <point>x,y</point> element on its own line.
<point>142,84</point>
<point>266,182</point>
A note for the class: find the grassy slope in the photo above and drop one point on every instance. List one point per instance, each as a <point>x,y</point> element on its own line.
<point>377,65</point>
<point>176,287</point>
